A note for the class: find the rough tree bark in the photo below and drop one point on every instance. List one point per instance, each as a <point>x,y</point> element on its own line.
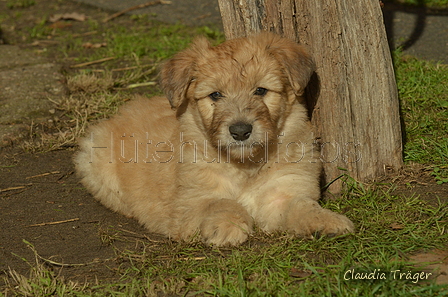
<point>356,110</point>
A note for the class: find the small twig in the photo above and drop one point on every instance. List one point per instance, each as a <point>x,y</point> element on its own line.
<point>43,174</point>
<point>194,258</point>
<point>125,68</point>
<point>140,235</point>
<point>85,34</point>
<point>44,42</point>
<point>151,3</point>
<point>54,223</point>
<point>15,188</point>
<point>67,174</point>
<point>131,67</point>
<point>203,16</point>
<point>92,62</point>
<point>55,102</point>
<point>138,85</point>
<point>12,188</point>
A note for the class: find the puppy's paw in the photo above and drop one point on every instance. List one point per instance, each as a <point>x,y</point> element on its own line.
<point>328,223</point>
<point>318,221</point>
<point>225,228</point>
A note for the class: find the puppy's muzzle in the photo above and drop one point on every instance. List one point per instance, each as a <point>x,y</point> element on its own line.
<point>240,131</point>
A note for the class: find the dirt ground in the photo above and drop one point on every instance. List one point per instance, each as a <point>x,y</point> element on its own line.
<point>43,204</point>
<point>42,188</point>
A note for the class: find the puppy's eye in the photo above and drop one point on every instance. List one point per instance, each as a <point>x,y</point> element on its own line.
<point>260,91</point>
<point>215,96</point>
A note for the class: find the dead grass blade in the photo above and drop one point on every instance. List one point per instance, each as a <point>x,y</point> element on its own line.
<point>139,85</point>
<point>43,174</point>
<point>36,254</point>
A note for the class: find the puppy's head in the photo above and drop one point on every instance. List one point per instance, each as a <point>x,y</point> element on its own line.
<point>240,91</point>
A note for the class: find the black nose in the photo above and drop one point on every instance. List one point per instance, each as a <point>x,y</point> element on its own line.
<point>240,131</point>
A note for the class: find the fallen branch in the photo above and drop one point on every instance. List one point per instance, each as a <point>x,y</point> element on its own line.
<point>92,62</point>
<point>152,3</point>
<point>54,223</point>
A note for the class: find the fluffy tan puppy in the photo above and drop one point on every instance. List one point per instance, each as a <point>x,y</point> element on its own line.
<point>230,145</point>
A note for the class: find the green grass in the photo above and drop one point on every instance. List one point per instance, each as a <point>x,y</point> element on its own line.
<point>428,3</point>
<point>19,3</point>
<point>423,93</point>
<point>144,41</point>
<point>161,42</point>
<point>139,47</point>
<point>268,265</point>
<point>280,265</point>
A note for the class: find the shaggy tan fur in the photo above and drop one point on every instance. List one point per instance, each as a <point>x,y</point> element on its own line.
<point>235,147</point>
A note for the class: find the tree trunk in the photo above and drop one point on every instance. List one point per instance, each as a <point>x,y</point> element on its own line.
<point>356,110</point>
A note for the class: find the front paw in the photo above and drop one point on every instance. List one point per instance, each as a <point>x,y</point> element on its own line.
<point>315,220</point>
<point>226,228</point>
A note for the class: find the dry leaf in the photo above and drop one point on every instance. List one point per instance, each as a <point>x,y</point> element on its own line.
<point>68,16</point>
<point>93,45</point>
<point>294,272</point>
<point>396,226</point>
<point>59,25</point>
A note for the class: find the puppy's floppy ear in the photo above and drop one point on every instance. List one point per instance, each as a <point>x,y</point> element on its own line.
<point>177,73</point>
<point>297,63</point>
